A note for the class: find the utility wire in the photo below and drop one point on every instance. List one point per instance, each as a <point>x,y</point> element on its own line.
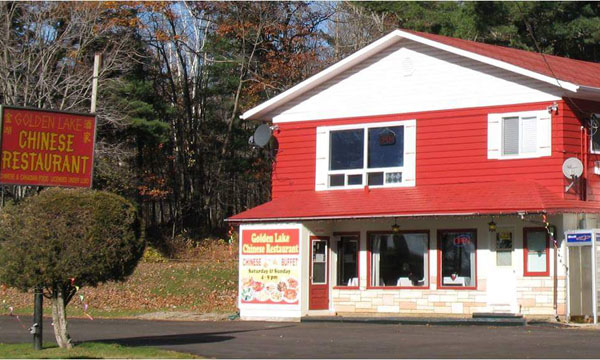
<point>539,50</point>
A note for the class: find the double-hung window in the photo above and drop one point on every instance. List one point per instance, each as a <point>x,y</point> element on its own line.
<point>377,154</point>
<point>519,135</point>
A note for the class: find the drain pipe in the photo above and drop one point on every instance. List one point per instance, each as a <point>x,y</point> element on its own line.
<point>555,277</point>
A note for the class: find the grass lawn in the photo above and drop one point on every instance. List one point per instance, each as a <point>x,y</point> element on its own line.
<point>88,351</point>
<point>204,284</point>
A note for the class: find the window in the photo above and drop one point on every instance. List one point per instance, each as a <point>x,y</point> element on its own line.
<point>536,252</point>
<point>519,135</point>
<point>347,260</point>
<point>457,255</point>
<point>354,156</point>
<point>595,134</point>
<point>399,260</point>
<point>504,247</point>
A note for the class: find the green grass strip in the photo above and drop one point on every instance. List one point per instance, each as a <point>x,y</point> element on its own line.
<point>88,350</point>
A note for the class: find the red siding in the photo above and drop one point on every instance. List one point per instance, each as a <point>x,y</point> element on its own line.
<point>451,148</point>
<point>576,114</point>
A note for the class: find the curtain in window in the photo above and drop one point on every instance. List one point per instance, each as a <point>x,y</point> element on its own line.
<point>375,262</point>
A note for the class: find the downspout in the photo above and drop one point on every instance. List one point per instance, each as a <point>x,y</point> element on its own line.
<point>555,291</point>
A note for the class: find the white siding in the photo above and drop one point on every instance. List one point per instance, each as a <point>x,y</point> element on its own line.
<point>412,77</point>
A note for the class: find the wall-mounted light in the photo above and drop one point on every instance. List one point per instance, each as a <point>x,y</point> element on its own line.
<point>395,227</point>
<point>492,226</point>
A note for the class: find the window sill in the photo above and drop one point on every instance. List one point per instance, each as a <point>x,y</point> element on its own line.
<point>521,157</point>
<point>340,287</point>
<point>544,274</point>
<point>442,287</point>
<point>398,287</point>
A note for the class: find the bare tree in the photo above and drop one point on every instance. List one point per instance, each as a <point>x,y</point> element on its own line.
<point>47,56</point>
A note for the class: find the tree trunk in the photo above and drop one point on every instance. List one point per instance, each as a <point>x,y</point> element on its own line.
<point>59,318</point>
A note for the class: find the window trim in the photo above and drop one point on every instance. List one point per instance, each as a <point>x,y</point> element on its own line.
<point>337,236</point>
<point>323,153</point>
<point>526,251</point>
<point>591,145</point>
<point>395,287</point>
<point>439,261</point>
<point>495,130</point>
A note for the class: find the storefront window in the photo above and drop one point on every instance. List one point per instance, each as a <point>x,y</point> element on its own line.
<point>347,261</point>
<point>457,258</point>
<point>399,260</point>
<point>536,252</point>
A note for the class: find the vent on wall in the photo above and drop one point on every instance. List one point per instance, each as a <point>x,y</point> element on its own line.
<point>407,66</point>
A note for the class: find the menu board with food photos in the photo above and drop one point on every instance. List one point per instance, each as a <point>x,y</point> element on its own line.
<point>270,266</point>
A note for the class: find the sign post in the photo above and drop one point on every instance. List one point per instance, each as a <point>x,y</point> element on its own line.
<point>45,148</point>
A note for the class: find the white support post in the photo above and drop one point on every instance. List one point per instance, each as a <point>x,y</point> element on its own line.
<point>97,64</point>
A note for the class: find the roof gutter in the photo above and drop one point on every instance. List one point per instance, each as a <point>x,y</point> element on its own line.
<point>359,217</point>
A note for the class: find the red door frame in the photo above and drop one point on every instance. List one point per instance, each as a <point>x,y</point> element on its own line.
<point>318,294</point>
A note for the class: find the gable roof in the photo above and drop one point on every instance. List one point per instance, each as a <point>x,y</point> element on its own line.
<point>582,73</point>
<point>575,77</point>
<point>494,198</point>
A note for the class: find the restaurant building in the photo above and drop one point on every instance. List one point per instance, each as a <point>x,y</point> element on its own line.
<point>424,175</point>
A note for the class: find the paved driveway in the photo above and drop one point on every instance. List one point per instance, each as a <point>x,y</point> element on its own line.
<point>237,339</point>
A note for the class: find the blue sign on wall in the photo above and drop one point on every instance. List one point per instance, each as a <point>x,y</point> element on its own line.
<point>581,238</point>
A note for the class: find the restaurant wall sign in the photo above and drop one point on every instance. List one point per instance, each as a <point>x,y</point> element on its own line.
<point>46,148</point>
<point>270,266</point>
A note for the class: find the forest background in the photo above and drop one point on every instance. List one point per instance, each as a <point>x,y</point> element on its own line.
<point>176,76</point>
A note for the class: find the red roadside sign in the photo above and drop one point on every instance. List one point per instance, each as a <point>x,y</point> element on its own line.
<point>46,148</point>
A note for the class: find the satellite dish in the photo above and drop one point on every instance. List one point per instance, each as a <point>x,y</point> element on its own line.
<point>572,167</point>
<point>261,136</point>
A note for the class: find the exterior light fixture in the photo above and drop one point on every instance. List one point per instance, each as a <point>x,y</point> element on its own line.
<point>492,226</point>
<point>395,227</point>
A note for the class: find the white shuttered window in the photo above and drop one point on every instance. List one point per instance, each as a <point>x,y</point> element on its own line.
<point>519,135</point>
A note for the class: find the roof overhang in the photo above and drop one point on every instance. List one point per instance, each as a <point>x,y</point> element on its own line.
<point>258,112</point>
<point>472,199</point>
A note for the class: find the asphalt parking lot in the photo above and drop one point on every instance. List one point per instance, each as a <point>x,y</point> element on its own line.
<point>239,339</point>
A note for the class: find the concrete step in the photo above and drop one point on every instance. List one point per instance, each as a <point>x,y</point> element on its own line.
<point>497,315</point>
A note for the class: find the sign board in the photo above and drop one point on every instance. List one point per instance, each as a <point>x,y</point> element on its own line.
<point>270,266</point>
<point>46,148</point>
<point>579,239</point>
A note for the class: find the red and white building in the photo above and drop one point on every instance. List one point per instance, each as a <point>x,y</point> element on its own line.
<point>393,162</point>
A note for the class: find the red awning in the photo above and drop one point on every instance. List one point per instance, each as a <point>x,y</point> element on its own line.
<point>445,200</point>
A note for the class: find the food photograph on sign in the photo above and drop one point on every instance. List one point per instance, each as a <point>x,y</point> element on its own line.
<point>47,148</point>
<point>270,267</point>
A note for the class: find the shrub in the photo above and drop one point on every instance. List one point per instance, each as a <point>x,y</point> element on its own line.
<point>65,238</point>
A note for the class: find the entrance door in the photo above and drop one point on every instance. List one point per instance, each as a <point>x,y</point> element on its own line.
<point>319,274</point>
<point>502,279</point>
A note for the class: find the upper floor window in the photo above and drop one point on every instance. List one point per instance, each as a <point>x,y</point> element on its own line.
<point>519,135</point>
<point>595,134</point>
<point>378,154</point>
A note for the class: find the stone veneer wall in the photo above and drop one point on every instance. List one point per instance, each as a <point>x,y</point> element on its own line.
<point>534,295</point>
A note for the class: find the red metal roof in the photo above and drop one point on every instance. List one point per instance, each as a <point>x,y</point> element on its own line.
<point>575,71</point>
<point>458,199</point>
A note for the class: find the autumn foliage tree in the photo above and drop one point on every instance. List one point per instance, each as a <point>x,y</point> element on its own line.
<point>63,239</point>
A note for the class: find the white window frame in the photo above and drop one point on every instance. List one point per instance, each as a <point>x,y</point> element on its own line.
<point>408,170</point>
<point>543,135</point>
<point>592,151</point>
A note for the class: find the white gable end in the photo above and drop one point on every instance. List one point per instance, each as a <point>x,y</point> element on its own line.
<point>413,77</point>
